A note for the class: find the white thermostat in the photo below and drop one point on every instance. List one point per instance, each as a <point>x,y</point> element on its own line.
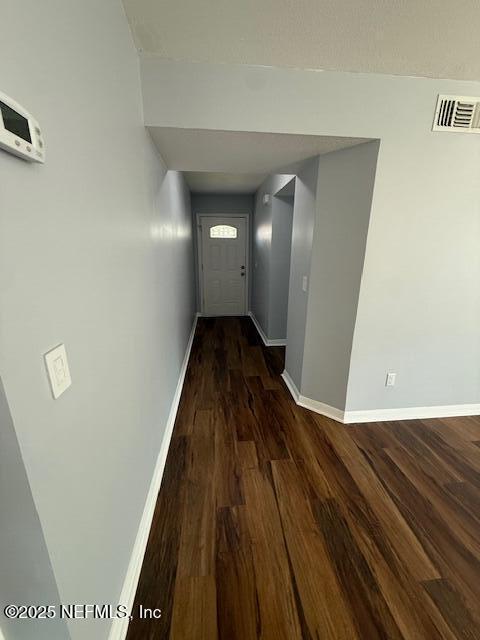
<point>20,133</point>
<point>58,371</point>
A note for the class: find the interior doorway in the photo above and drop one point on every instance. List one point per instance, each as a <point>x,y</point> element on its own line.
<point>223,264</point>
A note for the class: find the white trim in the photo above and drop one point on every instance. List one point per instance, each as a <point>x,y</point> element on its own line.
<point>379,415</point>
<point>322,408</point>
<point>412,413</point>
<point>308,403</point>
<point>233,315</point>
<point>276,342</point>
<point>119,627</point>
<point>291,386</point>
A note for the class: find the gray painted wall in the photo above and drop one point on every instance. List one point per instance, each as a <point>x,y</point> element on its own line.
<point>280,266</point>
<point>262,248</point>
<point>272,236</point>
<point>95,252</point>
<point>419,305</point>
<point>304,209</point>
<point>227,203</point>
<point>26,574</point>
<point>344,199</point>
<point>222,204</point>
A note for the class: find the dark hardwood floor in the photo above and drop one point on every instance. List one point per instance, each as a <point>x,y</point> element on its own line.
<point>276,523</point>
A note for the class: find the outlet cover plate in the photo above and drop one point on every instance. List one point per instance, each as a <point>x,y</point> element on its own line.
<point>390,379</point>
<point>57,369</point>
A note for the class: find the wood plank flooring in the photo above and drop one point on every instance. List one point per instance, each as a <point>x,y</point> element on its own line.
<point>275,523</point>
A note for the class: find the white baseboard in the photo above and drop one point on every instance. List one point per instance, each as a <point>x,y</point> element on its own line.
<point>280,342</point>
<point>226,315</point>
<point>322,408</point>
<point>308,403</point>
<point>292,387</point>
<point>412,413</point>
<point>119,627</point>
<point>379,415</point>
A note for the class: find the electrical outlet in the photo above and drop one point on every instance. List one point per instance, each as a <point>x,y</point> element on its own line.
<point>58,371</point>
<point>390,380</point>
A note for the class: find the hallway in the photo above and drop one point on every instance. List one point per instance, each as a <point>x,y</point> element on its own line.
<point>273,522</point>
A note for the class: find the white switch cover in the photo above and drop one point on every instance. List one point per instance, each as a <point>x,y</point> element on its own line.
<point>304,283</point>
<point>390,381</point>
<point>58,371</point>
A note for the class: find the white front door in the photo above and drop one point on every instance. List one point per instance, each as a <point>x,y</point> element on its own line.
<point>223,265</point>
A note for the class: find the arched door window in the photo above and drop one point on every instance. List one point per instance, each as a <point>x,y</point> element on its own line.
<point>223,231</point>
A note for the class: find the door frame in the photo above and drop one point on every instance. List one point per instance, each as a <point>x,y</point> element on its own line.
<point>198,237</point>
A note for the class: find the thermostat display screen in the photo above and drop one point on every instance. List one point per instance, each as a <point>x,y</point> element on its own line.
<point>15,123</point>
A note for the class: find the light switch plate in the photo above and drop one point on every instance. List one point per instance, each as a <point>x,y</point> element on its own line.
<point>58,371</point>
<point>390,379</point>
<point>304,283</point>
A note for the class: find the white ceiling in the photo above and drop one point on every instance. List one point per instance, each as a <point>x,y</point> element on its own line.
<point>238,161</point>
<point>433,38</point>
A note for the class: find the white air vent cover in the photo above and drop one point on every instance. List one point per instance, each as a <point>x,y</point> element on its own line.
<point>457,113</point>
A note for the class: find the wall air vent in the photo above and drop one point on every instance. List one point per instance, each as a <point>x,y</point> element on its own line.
<point>457,113</point>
